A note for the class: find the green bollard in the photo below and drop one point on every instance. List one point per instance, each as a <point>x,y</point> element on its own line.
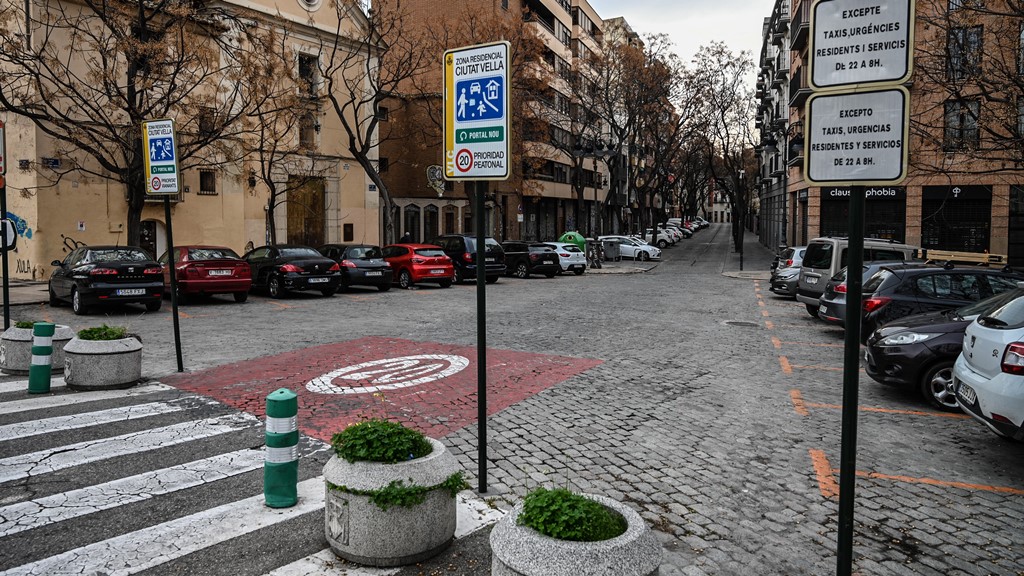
<point>281,466</point>
<point>42,358</point>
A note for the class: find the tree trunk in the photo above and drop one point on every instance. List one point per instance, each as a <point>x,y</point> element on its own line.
<point>136,186</point>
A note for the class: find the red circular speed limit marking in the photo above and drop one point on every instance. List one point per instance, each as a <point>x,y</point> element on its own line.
<point>155,183</point>
<point>464,160</point>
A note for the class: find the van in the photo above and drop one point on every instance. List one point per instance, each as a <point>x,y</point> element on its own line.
<point>827,256</point>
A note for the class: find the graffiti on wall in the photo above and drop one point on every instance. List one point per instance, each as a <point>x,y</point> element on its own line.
<point>20,225</point>
<point>70,243</point>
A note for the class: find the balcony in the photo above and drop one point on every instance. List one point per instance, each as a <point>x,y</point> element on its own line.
<point>801,27</point>
<point>780,78</point>
<point>798,88</point>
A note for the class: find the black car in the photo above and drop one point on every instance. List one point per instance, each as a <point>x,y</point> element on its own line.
<point>95,275</point>
<point>361,264</point>
<point>525,258</point>
<point>918,351</point>
<point>832,303</point>
<point>461,248</point>
<point>289,267</point>
<point>901,290</point>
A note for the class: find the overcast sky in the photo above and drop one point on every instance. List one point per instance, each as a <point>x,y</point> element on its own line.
<point>693,23</point>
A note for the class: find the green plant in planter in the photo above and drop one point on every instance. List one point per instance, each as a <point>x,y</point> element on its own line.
<point>27,324</point>
<point>566,516</point>
<point>389,443</point>
<point>103,332</point>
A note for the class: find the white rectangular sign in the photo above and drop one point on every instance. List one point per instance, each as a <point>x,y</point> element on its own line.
<point>861,42</point>
<point>161,154</point>
<point>857,137</point>
<point>476,112</point>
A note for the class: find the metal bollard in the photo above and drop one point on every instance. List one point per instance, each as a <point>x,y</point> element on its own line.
<point>281,466</point>
<point>42,358</point>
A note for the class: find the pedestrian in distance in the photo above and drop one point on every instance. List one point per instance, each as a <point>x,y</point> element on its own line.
<point>405,239</point>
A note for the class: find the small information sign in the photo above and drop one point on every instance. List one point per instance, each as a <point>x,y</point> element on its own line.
<point>162,176</point>
<point>476,112</point>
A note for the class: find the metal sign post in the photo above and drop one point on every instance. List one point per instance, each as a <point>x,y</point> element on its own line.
<point>3,215</point>
<point>476,148</point>
<point>160,150</point>
<point>857,134</point>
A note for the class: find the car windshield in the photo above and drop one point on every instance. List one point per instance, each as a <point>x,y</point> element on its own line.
<point>571,248</point>
<point>430,252</point>
<point>818,256</point>
<point>1007,306</point>
<point>196,254</point>
<point>300,252</point>
<point>364,252</point>
<point>117,254</point>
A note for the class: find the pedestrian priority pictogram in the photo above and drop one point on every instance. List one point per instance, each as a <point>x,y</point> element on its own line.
<point>480,99</point>
<point>161,150</point>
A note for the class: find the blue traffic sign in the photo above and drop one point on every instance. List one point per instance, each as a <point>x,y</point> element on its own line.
<point>161,150</point>
<point>480,99</point>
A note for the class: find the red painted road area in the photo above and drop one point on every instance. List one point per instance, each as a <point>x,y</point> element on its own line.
<point>429,386</point>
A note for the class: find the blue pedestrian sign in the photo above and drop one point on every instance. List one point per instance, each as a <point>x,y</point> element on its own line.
<point>476,110</point>
<point>161,150</point>
<point>480,99</point>
<point>162,176</point>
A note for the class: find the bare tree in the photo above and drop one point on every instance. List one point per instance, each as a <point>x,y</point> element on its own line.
<point>87,74</point>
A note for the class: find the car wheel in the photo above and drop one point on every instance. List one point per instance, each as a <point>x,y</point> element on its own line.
<point>77,306</point>
<point>405,280</point>
<point>935,387</point>
<point>579,271</point>
<point>522,271</point>
<point>812,309</point>
<point>274,287</point>
<point>54,301</point>
<point>445,283</point>
<point>644,256</point>
<point>662,244</point>
<point>241,297</point>
<point>491,279</point>
<point>153,306</point>
<point>384,287</point>
<point>458,276</point>
<point>328,292</point>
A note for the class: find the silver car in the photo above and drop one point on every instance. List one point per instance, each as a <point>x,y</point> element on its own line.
<point>786,271</point>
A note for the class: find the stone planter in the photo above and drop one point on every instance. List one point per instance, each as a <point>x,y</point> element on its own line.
<point>360,531</point>
<point>522,551</point>
<point>16,349</point>
<point>102,364</point>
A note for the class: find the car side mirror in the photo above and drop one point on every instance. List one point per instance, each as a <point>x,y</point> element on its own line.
<point>55,263</point>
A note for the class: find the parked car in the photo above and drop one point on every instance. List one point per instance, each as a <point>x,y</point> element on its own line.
<point>461,248</point>
<point>786,271</point>
<point>988,376</point>
<point>417,263</point>
<point>683,232</point>
<point>95,275</point>
<point>918,351</point>
<point>207,270</point>
<point>662,240</point>
<point>901,290</point>
<point>361,265</point>
<point>825,256</point>
<point>285,268</point>
<point>570,257</point>
<point>635,248</point>
<point>525,258</point>
<point>832,303</point>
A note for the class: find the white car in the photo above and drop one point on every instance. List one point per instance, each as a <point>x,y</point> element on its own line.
<point>988,377</point>
<point>570,257</point>
<point>663,240</point>
<point>635,248</point>
<point>684,232</point>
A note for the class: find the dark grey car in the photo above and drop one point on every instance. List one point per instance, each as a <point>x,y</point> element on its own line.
<point>832,303</point>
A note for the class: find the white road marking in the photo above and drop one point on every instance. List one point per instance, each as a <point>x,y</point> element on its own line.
<point>44,401</point>
<point>473,513</point>
<point>137,551</point>
<point>85,419</point>
<point>326,563</point>
<point>62,457</point>
<point>22,385</point>
<point>59,507</point>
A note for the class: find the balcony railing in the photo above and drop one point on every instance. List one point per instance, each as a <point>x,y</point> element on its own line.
<point>801,26</point>
<point>799,90</point>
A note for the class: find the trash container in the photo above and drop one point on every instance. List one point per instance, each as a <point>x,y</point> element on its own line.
<point>574,238</point>
<point>611,250</point>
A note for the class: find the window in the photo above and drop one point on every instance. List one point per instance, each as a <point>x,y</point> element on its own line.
<point>207,122</point>
<point>208,182</point>
<point>383,113</point>
<point>1020,117</point>
<point>382,165</point>
<point>348,232</point>
<point>964,48</point>
<point>1020,51</point>
<point>307,131</point>
<point>961,130</point>
<point>308,74</point>
<point>504,4</point>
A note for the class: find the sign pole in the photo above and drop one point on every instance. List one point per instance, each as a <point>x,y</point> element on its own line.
<point>481,337</point>
<point>174,282</point>
<point>3,215</point>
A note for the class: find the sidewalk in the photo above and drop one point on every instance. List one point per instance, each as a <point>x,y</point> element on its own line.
<point>24,292</point>
<point>756,260</point>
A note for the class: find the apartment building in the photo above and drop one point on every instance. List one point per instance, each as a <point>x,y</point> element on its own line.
<point>538,202</point>
<point>964,186</point>
<point>61,197</point>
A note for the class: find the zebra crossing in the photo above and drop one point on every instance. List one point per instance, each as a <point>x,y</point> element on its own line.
<point>158,480</point>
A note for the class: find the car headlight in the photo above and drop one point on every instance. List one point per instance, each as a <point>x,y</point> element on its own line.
<point>788,274</point>
<point>904,338</point>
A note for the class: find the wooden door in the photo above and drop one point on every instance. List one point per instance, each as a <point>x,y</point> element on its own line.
<point>306,206</point>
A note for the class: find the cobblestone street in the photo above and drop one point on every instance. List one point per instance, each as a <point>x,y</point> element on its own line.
<point>688,391</point>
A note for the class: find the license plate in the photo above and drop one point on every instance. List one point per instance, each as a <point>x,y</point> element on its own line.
<point>821,309</point>
<point>437,271</point>
<point>131,292</point>
<point>488,259</point>
<point>318,280</point>
<point>967,393</point>
<point>810,279</point>
<point>219,272</point>
<point>373,273</point>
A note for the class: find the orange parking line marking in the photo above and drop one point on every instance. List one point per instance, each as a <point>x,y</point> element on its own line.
<point>760,303</point>
<point>784,362</point>
<point>815,367</point>
<point>942,483</point>
<point>769,325</point>
<point>798,402</point>
<point>777,343</point>
<point>813,344</point>
<point>823,470</point>
<point>893,411</point>
<point>280,305</point>
<point>183,314</point>
<point>764,313</point>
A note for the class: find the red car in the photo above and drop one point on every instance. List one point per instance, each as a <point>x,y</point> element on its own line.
<point>208,270</point>
<point>415,263</point>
